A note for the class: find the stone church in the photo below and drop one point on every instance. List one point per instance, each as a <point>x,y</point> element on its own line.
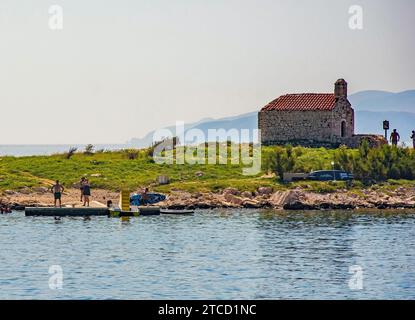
<point>310,119</point>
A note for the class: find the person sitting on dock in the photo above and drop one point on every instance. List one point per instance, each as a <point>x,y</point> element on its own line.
<point>86,192</point>
<point>144,197</point>
<point>57,190</point>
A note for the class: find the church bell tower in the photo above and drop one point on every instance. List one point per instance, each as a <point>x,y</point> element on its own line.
<point>340,89</point>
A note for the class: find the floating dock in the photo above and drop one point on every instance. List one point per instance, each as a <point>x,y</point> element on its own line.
<point>87,212</point>
<point>66,212</point>
<point>142,211</point>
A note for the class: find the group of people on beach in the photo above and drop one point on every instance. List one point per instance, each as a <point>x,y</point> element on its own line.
<point>395,138</point>
<point>57,189</point>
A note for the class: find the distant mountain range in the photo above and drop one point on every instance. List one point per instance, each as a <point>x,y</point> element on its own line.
<point>244,121</point>
<point>371,108</point>
<point>379,101</point>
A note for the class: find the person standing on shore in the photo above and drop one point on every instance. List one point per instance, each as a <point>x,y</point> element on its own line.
<point>57,190</point>
<point>86,192</point>
<point>395,137</point>
<point>81,187</point>
<point>413,138</point>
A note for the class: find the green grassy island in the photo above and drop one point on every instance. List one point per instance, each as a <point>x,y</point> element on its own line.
<point>132,169</point>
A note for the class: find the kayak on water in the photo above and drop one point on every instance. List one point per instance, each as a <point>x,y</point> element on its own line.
<point>151,198</point>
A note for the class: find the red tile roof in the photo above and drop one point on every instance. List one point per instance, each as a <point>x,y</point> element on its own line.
<point>303,102</point>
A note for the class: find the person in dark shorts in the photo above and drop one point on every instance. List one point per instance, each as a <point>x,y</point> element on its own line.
<point>413,138</point>
<point>395,137</point>
<point>86,192</point>
<point>57,190</point>
<point>81,186</point>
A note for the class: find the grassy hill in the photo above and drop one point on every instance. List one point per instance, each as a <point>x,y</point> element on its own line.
<point>133,169</point>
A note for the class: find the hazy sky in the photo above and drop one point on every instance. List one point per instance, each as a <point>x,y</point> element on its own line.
<point>120,68</point>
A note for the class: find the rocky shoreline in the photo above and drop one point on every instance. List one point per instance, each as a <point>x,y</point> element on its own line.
<point>296,199</point>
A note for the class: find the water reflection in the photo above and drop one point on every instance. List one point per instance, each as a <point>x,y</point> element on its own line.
<point>214,254</point>
<point>314,250</point>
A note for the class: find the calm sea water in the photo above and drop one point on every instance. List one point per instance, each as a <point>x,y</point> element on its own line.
<point>220,254</point>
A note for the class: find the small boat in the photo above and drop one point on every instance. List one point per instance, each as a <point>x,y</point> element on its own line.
<point>182,212</point>
<point>151,198</point>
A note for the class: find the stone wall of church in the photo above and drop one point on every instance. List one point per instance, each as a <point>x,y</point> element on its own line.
<point>307,127</point>
<point>343,112</point>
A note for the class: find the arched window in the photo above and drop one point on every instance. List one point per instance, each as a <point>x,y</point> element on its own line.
<point>343,129</point>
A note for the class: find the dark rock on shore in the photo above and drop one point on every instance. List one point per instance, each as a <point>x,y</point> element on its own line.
<point>298,205</point>
<point>386,206</point>
<point>17,207</point>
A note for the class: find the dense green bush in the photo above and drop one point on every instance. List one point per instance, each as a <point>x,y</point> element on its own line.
<point>369,165</point>
<point>379,164</point>
<point>279,160</point>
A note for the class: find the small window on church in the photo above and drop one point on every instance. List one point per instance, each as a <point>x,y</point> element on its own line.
<point>343,129</point>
